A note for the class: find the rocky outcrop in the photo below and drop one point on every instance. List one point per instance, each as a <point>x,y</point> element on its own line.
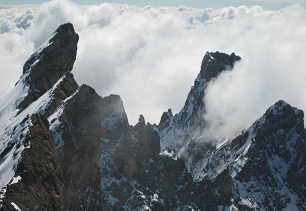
<point>95,142</point>
<point>274,158</point>
<point>257,165</point>
<point>176,182</point>
<point>210,194</point>
<point>214,63</point>
<point>181,131</point>
<point>30,161</point>
<point>38,182</point>
<point>49,63</point>
<point>146,144</point>
<point>187,119</point>
<point>64,88</point>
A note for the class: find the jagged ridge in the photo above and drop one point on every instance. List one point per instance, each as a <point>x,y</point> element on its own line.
<point>86,156</point>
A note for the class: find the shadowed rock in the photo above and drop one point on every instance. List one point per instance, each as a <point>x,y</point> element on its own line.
<point>49,63</point>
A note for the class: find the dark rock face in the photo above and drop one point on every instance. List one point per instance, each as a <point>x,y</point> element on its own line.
<point>63,89</point>
<point>110,165</point>
<point>91,127</point>
<point>214,63</point>
<point>176,182</point>
<point>49,63</point>
<point>41,183</point>
<point>273,158</point>
<point>161,177</point>
<point>146,141</point>
<point>209,194</point>
<point>165,120</point>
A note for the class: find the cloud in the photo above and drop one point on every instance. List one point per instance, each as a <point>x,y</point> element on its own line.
<point>15,49</point>
<point>273,68</point>
<point>151,56</point>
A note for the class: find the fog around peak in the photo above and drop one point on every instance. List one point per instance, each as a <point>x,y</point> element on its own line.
<point>151,56</point>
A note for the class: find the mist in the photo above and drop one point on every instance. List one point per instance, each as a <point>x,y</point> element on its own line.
<point>151,56</point>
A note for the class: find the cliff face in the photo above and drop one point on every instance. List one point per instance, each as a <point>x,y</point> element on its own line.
<point>38,180</point>
<point>31,174</point>
<point>63,147</point>
<point>183,130</point>
<point>49,63</point>
<point>259,164</point>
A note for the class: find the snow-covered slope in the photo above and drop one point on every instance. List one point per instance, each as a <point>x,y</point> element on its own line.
<point>14,108</point>
<point>15,127</point>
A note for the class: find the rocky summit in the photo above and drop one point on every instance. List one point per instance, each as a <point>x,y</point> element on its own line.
<point>64,147</point>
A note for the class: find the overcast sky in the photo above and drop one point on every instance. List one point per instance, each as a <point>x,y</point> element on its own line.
<point>267,4</point>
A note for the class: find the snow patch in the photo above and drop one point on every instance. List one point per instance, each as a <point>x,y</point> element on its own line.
<point>15,180</point>
<point>15,206</point>
<point>169,153</point>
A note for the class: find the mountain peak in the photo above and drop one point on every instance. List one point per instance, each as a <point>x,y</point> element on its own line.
<point>189,120</point>
<point>62,45</point>
<point>284,116</point>
<point>141,120</point>
<point>281,107</point>
<point>49,63</point>
<point>215,62</point>
<point>165,119</point>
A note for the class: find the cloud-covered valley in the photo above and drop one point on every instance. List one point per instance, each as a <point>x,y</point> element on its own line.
<point>151,56</point>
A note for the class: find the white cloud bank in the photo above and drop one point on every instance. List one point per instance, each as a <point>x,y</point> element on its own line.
<point>151,56</point>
